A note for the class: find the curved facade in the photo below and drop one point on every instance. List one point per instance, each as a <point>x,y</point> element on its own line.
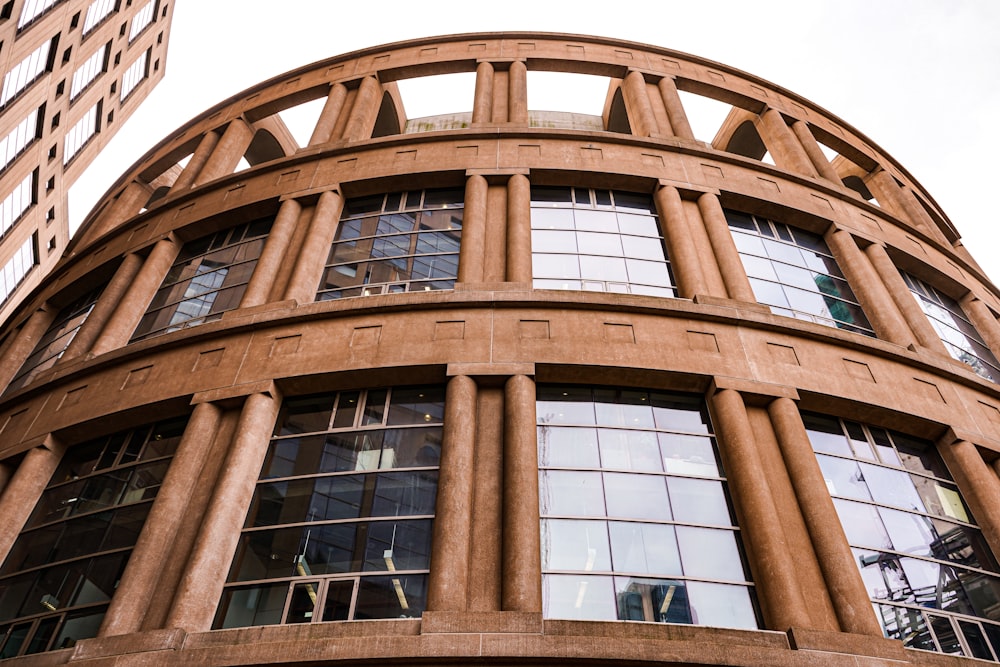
<point>506,386</point>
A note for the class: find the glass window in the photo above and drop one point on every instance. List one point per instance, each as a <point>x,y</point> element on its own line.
<point>399,242</point>
<point>32,9</point>
<point>135,74</point>
<point>64,566</point>
<point>17,267</point>
<point>793,272</point>
<point>91,68</point>
<point>340,523</point>
<point>27,71</point>
<point>636,523</point>
<point>957,333</point>
<point>601,240</point>
<point>930,574</point>
<point>20,137</point>
<point>97,12</point>
<point>142,19</point>
<point>81,132</point>
<point>208,278</point>
<point>17,202</point>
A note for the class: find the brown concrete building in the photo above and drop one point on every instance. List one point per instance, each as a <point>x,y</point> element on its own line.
<point>73,71</point>
<point>506,386</point>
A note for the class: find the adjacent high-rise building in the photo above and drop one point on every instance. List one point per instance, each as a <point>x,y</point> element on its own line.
<point>505,386</point>
<point>73,72</point>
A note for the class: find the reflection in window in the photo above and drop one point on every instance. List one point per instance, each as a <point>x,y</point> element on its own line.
<point>636,521</point>
<point>340,523</point>
<point>599,240</point>
<point>930,574</point>
<point>208,278</point>
<point>399,242</point>
<point>793,272</point>
<point>957,333</point>
<point>63,569</point>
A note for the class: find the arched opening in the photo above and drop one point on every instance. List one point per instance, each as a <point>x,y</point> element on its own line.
<point>617,116</point>
<point>263,148</point>
<point>158,194</point>
<point>387,121</point>
<point>855,183</point>
<point>746,141</point>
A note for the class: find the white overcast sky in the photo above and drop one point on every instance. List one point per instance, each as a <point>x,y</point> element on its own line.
<point>921,78</point>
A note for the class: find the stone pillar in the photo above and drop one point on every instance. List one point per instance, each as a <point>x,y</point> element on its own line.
<point>814,152</point>
<point>517,93</point>
<point>472,253</point>
<point>871,292</point>
<point>315,249</point>
<point>482,104</point>
<point>724,248</point>
<point>637,103</point>
<point>978,484</point>
<point>448,587</point>
<point>133,304</point>
<point>843,581</point>
<point>126,205</point>
<point>24,489</point>
<point>275,252</point>
<point>783,145</point>
<point>323,131</point>
<point>114,292</point>
<point>485,559</point>
<point>774,573</point>
<point>23,343</point>
<point>675,109</point>
<point>680,247</point>
<point>6,472</point>
<point>201,585</point>
<point>896,200</point>
<point>139,583</point>
<point>519,229</point>
<point>364,110</point>
<point>918,323</point>
<point>227,154</point>
<point>984,321</point>
<point>521,540</point>
<point>197,162</point>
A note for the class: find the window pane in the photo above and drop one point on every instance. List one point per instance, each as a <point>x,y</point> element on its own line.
<point>575,545</point>
<point>578,597</point>
<point>710,553</point>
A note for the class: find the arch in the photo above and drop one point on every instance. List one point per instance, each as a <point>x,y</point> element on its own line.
<point>264,148</point>
<point>617,115</point>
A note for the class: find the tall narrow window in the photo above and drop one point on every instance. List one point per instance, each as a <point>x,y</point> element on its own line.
<point>17,202</point>
<point>135,74</point>
<point>636,520</point>
<point>957,333</point>
<point>62,571</point>
<point>17,267</point>
<point>399,242</point>
<point>20,137</point>
<point>142,19</point>
<point>793,272</point>
<point>931,576</point>
<point>97,12</point>
<point>599,240</point>
<point>340,524</point>
<point>93,67</point>
<point>208,278</point>
<point>27,71</point>
<point>82,132</point>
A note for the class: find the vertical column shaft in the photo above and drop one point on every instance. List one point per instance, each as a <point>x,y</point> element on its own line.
<point>519,229</point>
<point>114,292</point>
<point>274,253</point>
<point>892,195</point>
<point>201,586</point>
<point>133,304</point>
<point>197,162</point>
<point>139,582</point>
<point>683,254</point>
<point>724,248</point>
<point>675,109</point>
<point>23,343</point>
<point>228,152</point>
<point>783,145</point>
<point>921,328</point>
<point>23,491</point>
<point>472,253</point>
<point>305,277</point>
<point>363,112</point>
<point>637,102</point>
<point>846,588</point>
<point>814,152</point>
<point>482,104</point>
<point>448,588</point>
<point>979,486</point>
<point>127,204</point>
<point>517,93</point>
<point>334,105</point>
<point>485,569</point>
<point>521,540</point>
<point>774,572</point>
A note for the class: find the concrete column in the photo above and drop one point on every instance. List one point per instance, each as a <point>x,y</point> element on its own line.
<point>783,145</point>
<point>871,292</point>
<point>365,109</point>
<point>114,292</point>
<point>448,587</point>
<point>323,132</point>
<point>201,585</point>
<point>840,571</point>
<point>472,253</point>
<point>978,484</point>
<point>6,472</point>
<point>814,152</point>
<point>519,229</point>
<point>517,93</point>
<point>227,154</point>
<point>275,252</point>
<point>140,581</point>
<point>126,205</point>
<point>197,162</point>
<point>23,343</point>
<point>482,104</point>
<point>637,103</point>
<point>984,321</point>
<point>680,247</point>
<point>521,540</point>
<point>893,198</point>
<point>23,491</point>
<point>774,573</point>
<point>485,559</point>
<point>675,109</point>
<point>315,249</point>
<point>133,304</point>
<point>724,248</point>
<point>918,323</point>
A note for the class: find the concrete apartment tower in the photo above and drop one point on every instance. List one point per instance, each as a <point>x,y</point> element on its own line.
<point>73,72</point>
<point>505,386</point>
